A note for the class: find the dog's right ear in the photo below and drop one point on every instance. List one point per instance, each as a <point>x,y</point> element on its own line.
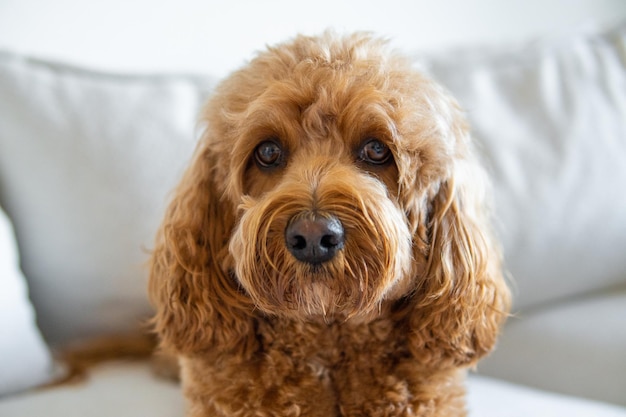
<point>199,305</point>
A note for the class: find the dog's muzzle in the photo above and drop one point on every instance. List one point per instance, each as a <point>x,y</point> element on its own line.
<point>314,239</point>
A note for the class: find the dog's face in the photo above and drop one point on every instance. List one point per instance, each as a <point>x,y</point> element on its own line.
<point>321,230</point>
<point>330,153</point>
<point>330,179</point>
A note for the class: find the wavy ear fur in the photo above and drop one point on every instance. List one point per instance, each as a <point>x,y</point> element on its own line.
<point>199,306</point>
<point>462,300</point>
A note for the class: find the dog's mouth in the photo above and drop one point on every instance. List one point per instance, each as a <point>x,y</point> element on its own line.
<point>317,271</point>
<point>331,274</point>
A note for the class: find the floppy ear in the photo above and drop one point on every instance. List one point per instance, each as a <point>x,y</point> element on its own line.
<point>462,298</point>
<point>199,306</point>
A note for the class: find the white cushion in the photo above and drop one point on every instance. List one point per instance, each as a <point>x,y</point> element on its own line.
<point>577,348</point>
<point>494,398</point>
<point>551,121</point>
<point>86,163</point>
<point>114,389</point>
<point>130,390</point>
<point>24,357</point>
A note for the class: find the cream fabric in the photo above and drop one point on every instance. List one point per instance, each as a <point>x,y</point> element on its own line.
<point>577,348</point>
<point>550,119</point>
<point>86,164</point>
<point>24,357</point>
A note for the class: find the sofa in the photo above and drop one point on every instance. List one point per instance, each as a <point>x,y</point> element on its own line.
<point>88,158</point>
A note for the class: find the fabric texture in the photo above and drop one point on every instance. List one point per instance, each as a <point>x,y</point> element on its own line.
<point>113,389</point>
<point>86,164</point>
<point>550,119</point>
<point>493,398</point>
<point>578,348</point>
<point>25,360</point>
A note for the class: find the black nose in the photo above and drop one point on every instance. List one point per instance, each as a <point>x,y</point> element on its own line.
<point>314,239</point>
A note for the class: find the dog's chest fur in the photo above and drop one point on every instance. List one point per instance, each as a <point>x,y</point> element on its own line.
<point>319,368</point>
<point>334,345</point>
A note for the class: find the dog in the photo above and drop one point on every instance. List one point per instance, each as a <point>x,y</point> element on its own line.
<point>328,251</point>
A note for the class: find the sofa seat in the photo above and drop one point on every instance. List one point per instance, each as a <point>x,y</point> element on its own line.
<point>576,346</point>
<point>130,390</point>
<point>114,389</point>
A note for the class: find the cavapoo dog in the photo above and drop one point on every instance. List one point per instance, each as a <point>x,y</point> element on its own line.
<point>327,252</point>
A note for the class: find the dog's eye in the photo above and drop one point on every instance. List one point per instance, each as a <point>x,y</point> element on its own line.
<point>268,154</point>
<point>375,152</point>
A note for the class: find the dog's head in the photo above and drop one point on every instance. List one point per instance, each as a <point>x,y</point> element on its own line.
<point>331,178</point>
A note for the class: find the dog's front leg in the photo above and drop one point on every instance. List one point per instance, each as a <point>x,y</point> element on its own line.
<point>378,388</point>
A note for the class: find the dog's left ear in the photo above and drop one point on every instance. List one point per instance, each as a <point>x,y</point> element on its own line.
<point>462,298</point>
<point>200,309</point>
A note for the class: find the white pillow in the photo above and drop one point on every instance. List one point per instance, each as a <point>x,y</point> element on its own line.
<point>25,360</point>
<point>86,164</point>
<point>551,121</point>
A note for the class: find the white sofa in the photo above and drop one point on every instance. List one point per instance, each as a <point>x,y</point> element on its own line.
<point>87,159</point>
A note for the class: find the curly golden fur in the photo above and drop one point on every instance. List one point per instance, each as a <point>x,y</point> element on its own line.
<point>341,132</point>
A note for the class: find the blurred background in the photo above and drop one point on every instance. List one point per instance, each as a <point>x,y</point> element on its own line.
<point>216,36</point>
